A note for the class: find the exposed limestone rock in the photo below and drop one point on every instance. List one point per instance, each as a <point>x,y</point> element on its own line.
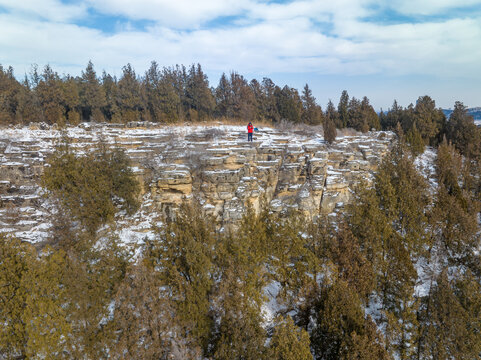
<point>213,164</point>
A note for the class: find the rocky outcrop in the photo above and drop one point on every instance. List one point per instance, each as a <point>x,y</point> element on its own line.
<point>216,165</point>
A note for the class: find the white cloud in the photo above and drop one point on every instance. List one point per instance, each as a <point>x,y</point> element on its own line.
<point>430,7</point>
<point>270,38</point>
<point>177,14</point>
<point>52,10</point>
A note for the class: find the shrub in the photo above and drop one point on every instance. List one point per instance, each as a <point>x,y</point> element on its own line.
<point>93,187</point>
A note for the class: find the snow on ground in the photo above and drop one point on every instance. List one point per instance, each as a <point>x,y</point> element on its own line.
<point>425,164</point>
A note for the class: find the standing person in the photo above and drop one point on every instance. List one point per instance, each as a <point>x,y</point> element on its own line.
<point>250,130</point>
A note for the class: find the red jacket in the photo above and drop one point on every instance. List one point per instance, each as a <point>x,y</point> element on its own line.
<point>250,128</point>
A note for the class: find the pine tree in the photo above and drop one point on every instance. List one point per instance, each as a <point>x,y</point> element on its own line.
<point>199,101</point>
<point>129,100</point>
<point>239,293</point>
<point>71,100</point>
<point>184,254</point>
<point>50,95</point>
<point>342,109</point>
<point>370,116</point>
<point>462,132</point>
<point>341,328</point>
<point>92,95</point>
<point>93,187</point>
<point>45,315</point>
<point>311,112</point>
<point>329,124</point>
<point>289,342</point>
<point>16,259</point>
<point>415,140</point>
<point>393,116</point>
<point>289,104</point>
<point>454,216</point>
<point>268,102</point>
<point>223,96</point>
<point>389,220</point>
<point>428,119</point>
<point>452,326</point>
<point>352,264</point>
<point>9,89</point>
<point>145,321</point>
<point>91,280</point>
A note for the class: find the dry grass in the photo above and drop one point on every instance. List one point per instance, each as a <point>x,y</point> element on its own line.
<point>348,132</point>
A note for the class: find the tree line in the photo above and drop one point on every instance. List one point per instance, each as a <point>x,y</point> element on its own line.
<point>398,275</point>
<point>164,95</point>
<point>177,93</point>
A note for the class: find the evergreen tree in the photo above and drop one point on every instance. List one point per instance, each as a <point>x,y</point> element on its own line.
<point>16,259</point>
<point>239,293</point>
<point>50,95</point>
<point>92,95</point>
<point>45,315</point>
<point>452,326</point>
<point>341,328</point>
<point>455,212</point>
<point>428,119</point>
<point>71,100</point>
<point>111,109</point>
<point>144,320</point>
<point>129,100</point>
<point>28,106</point>
<point>91,280</point>
<point>223,97</point>
<point>9,89</point>
<point>329,124</point>
<point>311,112</point>
<point>243,102</point>
<point>392,117</point>
<point>463,133</point>
<point>389,220</point>
<point>184,255</point>
<point>289,342</point>
<point>289,104</point>
<point>369,116</point>
<point>342,109</point>
<point>199,101</point>
<point>415,140</point>
<point>91,188</point>
<point>268,101</point>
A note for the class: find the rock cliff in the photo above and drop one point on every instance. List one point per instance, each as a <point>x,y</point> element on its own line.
<point>215,164</point>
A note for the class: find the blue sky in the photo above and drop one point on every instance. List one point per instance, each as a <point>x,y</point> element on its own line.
<point>385,50</point>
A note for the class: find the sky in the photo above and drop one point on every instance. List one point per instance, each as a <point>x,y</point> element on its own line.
<point>385,50</point>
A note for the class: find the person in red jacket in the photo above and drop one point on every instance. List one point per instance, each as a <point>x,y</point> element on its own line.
<point>250,130</point>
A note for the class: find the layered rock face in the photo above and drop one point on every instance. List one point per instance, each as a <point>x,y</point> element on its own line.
<point>214,164</point>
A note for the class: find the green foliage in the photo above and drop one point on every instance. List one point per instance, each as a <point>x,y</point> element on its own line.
<point>311,112</point>
<point>183,256</point>
<point>91,187</point>
<point>341,328</point>
<point>289,342</point>
<point>454,216</point>
<point>91,280</point>
<point>463,133</point>
<point>329,124</point>
<point>428,119</point>
<point>239,294</point>
<point>92,95</point>
<point>144,321</point>
<point>16,259</point>
<point>415,140</point>
<point>343,109</point>
<point>45,315</point>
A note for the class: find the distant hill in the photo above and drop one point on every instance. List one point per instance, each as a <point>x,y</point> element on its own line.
<point>474,112</point>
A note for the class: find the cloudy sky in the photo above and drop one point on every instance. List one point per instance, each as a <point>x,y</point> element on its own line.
<point>386,50</point>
